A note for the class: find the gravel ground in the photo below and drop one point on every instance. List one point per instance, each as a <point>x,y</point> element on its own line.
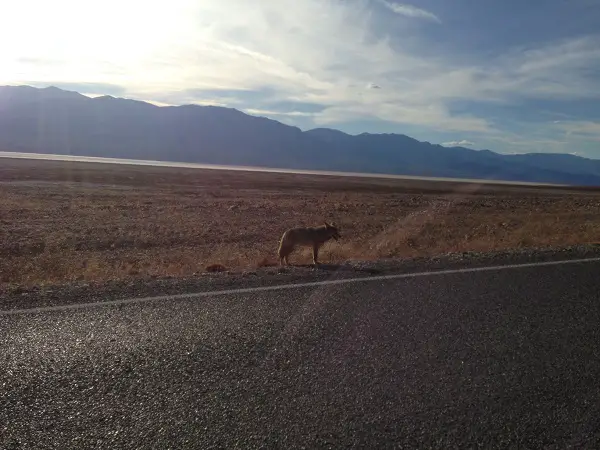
<point>64,222</point>
<point>78,292</point>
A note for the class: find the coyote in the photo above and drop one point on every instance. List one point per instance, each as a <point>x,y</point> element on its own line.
<point>314,237</point>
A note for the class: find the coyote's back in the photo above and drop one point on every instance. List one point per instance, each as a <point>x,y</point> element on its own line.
<point>314,237</point>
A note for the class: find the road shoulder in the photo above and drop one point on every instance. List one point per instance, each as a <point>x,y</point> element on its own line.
<point>82,292</point>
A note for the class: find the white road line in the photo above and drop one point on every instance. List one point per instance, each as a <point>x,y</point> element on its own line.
<point>281,287</point>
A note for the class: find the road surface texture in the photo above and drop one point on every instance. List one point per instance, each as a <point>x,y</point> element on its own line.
<point>464,359</point>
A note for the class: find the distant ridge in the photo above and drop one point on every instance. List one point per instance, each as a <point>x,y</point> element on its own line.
<point>53,120</point>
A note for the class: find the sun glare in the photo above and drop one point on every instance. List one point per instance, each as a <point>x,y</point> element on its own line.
<point>71,39</point>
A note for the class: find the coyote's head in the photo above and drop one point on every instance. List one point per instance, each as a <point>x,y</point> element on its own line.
<point>332,231</point>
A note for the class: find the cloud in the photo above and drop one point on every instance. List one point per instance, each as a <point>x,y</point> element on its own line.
<point>582,126</point>
<point>410,11</point>
<point>266,112</point>
<point>287,52</point>
<point>463,143</point>
<point>420,115</point>
<point>579,129</point>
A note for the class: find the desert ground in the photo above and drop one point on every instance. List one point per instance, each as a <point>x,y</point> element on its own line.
<point>66,221</point>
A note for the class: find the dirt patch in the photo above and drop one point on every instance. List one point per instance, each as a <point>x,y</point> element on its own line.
<point>96,222</point>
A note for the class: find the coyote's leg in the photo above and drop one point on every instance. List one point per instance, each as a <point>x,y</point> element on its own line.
<point>315,254</point>
<point>284,250</point>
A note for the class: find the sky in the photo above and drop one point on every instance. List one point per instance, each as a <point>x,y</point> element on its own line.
<point>513,76</point>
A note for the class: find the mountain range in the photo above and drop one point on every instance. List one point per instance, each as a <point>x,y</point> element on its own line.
<point>52,120</point>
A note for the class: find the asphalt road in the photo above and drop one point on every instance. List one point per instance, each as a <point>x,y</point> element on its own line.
<point>498,358</point>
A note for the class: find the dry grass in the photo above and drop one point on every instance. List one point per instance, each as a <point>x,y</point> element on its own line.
<point>71,221</point>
